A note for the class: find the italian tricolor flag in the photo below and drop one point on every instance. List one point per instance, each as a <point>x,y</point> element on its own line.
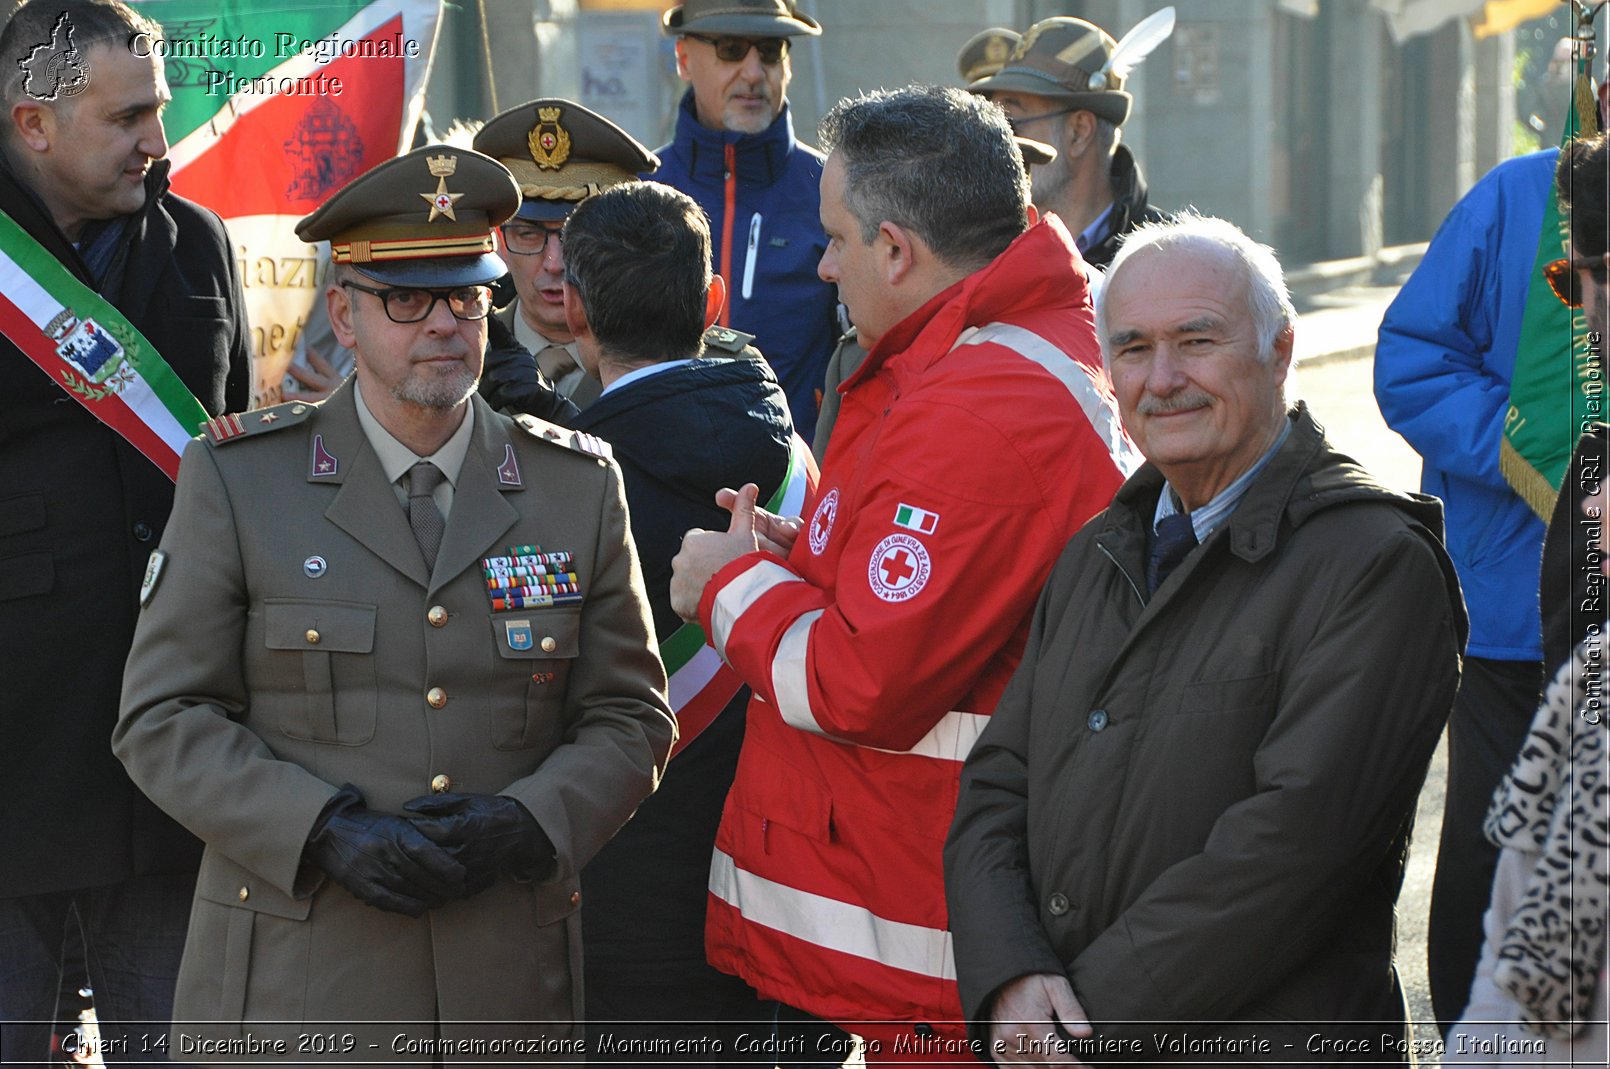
<point>276,105</point>
<point>915,519</point>
<point>82,342</point>
<point>701,684</point>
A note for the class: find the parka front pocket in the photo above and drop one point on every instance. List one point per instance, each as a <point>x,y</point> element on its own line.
<point>336,642</point>
<point>536,650</point>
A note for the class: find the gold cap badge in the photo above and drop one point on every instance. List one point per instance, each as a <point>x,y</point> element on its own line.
<point>549,142</point>
<point>441,202</point>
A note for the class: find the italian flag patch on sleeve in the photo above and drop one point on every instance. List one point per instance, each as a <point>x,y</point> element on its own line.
<point>915,519</point>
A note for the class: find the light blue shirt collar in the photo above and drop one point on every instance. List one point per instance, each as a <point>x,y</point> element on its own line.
<point>643,373</point>
<point>1209,516</point>
<point>1090,234</point>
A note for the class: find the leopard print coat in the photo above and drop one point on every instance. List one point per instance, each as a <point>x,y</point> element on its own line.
<point>1552,806</point>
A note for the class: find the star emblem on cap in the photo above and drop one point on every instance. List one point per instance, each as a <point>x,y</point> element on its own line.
<point>441,202</point>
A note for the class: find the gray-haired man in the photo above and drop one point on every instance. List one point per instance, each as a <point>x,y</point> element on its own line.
<point>1193,802</point>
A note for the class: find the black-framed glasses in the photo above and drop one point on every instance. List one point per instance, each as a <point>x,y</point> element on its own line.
<point>734,49</point>
<point>530,239</point>
<point>411,304</point>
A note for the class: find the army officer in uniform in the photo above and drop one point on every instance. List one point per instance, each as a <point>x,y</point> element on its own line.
<point>395,668</point>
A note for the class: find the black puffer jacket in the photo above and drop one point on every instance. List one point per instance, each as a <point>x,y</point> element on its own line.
<point>679,435</point>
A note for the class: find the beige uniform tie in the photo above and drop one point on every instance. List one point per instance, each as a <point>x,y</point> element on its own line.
<point>423,515</point>
<point>556,362</point>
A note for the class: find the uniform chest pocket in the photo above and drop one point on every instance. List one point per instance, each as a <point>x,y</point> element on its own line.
<point>536,650</point>
<point>336,640</point>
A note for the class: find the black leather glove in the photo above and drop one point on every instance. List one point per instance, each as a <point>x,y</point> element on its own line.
<point>383,860</point>
<point>491,835</point>
<point>511,380</point>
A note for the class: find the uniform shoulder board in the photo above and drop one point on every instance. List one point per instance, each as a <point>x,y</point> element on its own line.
<point>727,340</point>
<point>580,441</point>
<point>220,430</point>
<point>583,442</point>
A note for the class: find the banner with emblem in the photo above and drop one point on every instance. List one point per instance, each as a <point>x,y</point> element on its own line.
<point>1556,386</point>
<point>81,341</point>
<point>276,105</point>
<point>701,684</point>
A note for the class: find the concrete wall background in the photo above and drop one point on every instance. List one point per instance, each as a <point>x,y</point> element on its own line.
<point>1309,125</point>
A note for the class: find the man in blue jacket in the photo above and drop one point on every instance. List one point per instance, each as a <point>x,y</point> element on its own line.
<point>734,152</point>
<point>1443,367</point>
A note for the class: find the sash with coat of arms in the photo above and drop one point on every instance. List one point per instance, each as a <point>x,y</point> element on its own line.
<point>92,351</point>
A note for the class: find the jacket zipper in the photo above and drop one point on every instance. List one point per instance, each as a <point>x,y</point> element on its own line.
<point>729,206</point>
<point>753,252</point>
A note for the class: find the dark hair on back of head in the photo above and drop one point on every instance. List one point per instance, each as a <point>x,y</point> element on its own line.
<point>639,253</point>
<point>1583,179</point>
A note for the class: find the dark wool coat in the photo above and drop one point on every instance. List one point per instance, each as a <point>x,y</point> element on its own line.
<point>80,512</point>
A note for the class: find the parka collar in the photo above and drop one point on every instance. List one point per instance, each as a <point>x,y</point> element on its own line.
<point>762,159</point>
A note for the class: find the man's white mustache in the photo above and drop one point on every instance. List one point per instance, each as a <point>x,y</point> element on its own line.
<point>1152,405</point>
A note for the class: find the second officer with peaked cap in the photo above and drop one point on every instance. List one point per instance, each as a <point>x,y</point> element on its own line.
<point>560,153</point>
<point>985,53</point>
<point>395,668</point>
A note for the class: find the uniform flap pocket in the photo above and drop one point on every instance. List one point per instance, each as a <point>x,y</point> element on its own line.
<point>783,796</point>
<point>538,634</point>
<point>228,884</point>
<point>25,512</point>
<point>555,901</point>
<point>328,626</point>
<point>1222,695</point>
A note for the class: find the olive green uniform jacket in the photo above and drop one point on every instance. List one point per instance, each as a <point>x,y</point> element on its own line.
<point>293,641</point>
<point>1196,805</point>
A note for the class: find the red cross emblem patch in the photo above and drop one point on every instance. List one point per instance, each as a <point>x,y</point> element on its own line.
<point>899,568</point>
<point>827,511</point>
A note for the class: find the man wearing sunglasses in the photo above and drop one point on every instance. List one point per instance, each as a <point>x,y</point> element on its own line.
<point>1056,87</point>
<point>395,668</point>
<point>734,152</point>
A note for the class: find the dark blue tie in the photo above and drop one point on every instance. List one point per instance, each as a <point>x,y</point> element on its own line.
<point>1175,537</point>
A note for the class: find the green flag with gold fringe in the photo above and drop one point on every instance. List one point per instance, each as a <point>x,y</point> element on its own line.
<point>1558,384</point>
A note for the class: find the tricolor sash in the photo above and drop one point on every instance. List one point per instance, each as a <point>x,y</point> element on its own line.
<point>701,684</point>
<point>89,348</point>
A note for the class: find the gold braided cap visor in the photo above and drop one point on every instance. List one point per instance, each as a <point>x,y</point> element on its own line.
<point>576,180</point>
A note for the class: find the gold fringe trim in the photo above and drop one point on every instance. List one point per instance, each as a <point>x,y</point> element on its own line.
<point>1538,493</point>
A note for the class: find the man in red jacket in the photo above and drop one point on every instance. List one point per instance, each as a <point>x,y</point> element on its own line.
<point>977,437</point>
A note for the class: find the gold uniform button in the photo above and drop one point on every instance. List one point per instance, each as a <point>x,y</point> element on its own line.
<point>437,616</point>
<point>549,645</point>
<point>243,894</point>
<point>436,697</point>
<point>312,637</point>
<point>575,898</point>
<point>441,784</point>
